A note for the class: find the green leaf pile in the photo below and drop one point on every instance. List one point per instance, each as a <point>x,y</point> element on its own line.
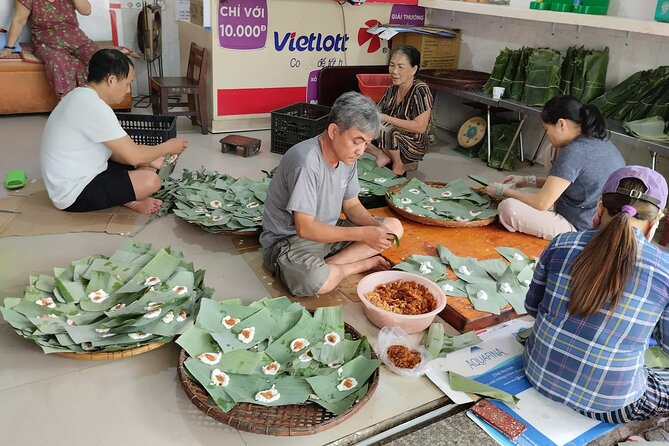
<point>214,201</point>
<point>102,304</point>
<point>454,202</point>
<point>274,352</point>
<point>489,284</point>
<point>374,180</point>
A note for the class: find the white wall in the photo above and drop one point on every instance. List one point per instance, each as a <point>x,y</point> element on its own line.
<point>484,36</point>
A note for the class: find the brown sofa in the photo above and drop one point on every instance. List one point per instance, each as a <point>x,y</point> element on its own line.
<point>24,89</point>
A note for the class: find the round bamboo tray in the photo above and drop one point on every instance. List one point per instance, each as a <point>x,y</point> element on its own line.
<point>434,221</point>
<point>291,420</point>
<point>108,356</point>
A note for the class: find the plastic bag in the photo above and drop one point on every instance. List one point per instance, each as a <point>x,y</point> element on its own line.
<point>396,336</point>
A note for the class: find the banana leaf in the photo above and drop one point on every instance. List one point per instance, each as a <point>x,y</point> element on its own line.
<point>543,76</point>
<point>632,89</point>
<point>464,384</point>
<point>511,290</point>
<point>568,68</point>
<point>513,254</point>
<point>484,297</point>
<point>501,136</point>
<point>439,344</point>
<point>647,88</point>
<point>518,84</point>
<point>326,386</point>
<point>469,270</point>
<point>429,267</point>
<point>455,288</point>
<point>592,82</point>
<point>511,69</point>
<point>497,73</point>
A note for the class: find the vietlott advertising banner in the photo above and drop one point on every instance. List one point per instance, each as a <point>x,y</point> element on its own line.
<point>267,53</point>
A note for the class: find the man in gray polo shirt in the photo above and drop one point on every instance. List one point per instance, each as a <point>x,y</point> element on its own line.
<point>303,240</point>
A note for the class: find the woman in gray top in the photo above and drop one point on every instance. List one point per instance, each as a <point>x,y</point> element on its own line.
<point>565,200</point>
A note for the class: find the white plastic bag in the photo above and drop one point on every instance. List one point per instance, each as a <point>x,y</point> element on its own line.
<point>396,336</point>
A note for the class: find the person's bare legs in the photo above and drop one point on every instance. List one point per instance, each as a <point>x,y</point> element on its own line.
<point>381,158</point>
<point>398,165</point>
<point>145,182</point>
<point>357,258</point>
<point>340,272</point>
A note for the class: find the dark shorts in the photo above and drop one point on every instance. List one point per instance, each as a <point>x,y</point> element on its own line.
<point>108,189</point>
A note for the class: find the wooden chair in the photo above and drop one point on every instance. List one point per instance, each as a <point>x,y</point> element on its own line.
<point>193,85</point>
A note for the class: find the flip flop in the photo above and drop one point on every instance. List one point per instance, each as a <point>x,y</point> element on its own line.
<point>16,179</point>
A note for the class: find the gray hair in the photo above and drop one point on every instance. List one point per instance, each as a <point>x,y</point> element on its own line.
<point>355,110</point>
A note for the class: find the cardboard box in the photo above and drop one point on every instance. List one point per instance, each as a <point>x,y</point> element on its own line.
<point>435,52</point>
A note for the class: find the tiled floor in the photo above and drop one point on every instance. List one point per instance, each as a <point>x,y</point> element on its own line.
<point>59,401</point>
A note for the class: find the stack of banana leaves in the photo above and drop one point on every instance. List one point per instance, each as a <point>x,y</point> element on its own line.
<point>584,73</point>
<point>374,180</point>
<point>214,201</point>
<point>501,136</point>
<point>542,81</point>
<point>642,95</point>
<point>498,71</point>
<point>649,129</point>
<point>274,352</point>
<point>517,87</point>
<point>454,202</point>
<point>136,296</point>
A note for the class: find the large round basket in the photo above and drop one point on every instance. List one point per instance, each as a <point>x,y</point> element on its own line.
<point>233,233</point>
<point>108,356</point>
<point>291,420</point>
<point>434,221</point>
<point>465,79</point>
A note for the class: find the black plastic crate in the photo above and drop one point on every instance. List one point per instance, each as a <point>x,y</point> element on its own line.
<point>148,130</point>
<point>296,123</point>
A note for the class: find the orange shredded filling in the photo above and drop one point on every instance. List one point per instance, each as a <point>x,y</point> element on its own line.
<point>403,297</point>
<point>402,357</point>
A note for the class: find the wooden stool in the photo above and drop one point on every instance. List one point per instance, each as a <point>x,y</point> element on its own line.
<point>249,146</point>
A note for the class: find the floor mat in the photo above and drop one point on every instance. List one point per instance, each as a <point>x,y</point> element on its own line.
<point>28,212</point>
<point>250,250</point>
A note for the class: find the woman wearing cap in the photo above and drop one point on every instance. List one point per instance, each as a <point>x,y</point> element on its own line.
<point>405,110</point>
<point>597,296</point>
<point>567,198</point>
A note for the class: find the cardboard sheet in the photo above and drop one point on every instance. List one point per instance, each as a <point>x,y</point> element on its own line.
<point>250,249</point>
<point>28,212</point>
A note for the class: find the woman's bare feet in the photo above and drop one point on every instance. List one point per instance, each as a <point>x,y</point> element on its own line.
<point>382,160</point>
<point>157,163</point>
<point>381,264</point>
<point>146,206</point>
<point>399,170</point>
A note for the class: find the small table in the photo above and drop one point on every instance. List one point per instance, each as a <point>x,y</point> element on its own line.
<point>250,146</point>
<point>478,242</point>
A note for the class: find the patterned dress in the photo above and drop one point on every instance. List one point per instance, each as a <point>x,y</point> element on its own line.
<point>412,146</point>
<point>59,43</point>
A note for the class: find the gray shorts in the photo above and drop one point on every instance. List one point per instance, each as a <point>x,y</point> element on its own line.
<point>301,263</point>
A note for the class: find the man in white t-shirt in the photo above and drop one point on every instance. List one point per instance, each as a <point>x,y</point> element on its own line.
<point>88,161</point>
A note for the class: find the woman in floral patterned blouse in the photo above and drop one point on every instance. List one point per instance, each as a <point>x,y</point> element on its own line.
<point>57,39</point>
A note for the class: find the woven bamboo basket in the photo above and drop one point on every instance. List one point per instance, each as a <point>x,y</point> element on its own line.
<point>434,221</point>
<point>108,356</point>
<point>291,420</point>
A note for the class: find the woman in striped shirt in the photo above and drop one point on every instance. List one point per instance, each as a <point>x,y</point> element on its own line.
<point>405,110</point>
